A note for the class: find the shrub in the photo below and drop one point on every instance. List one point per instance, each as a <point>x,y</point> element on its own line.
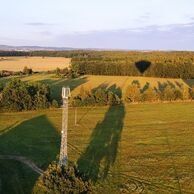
<point>27,71</point>
<point>62,180</point>
<point>55,104</point>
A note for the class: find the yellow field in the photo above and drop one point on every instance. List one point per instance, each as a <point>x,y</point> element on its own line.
<point>36,63</point>
<point>94,81</point>
<point>124,81</point>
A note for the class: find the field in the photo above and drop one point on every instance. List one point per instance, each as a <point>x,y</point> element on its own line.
<point>112,82</point>
<point>36,63</point>
<point>145,148</point>
<point>134,148</point>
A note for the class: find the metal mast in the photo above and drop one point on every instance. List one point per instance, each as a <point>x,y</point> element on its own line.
<point>63,151</point>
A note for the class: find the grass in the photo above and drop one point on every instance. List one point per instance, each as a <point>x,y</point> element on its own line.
<point>36,63</point>
<point>133,148</point>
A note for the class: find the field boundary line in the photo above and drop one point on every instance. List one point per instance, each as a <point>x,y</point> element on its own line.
<point>10,127</point>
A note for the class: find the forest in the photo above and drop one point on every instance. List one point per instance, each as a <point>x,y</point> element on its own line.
<point>171,64</point>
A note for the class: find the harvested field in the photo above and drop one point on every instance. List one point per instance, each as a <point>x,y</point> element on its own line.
<point>38,64</point>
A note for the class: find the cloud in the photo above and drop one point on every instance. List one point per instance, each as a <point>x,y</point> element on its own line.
<point>37,24</point>
<point>154,37</point>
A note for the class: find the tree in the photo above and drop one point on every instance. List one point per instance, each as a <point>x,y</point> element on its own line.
<point>168,94</point>
<point>133,93</point>
<point>15,96</point>
<point>186,93</point>
<point>27,71</point>
<point>150,95</point>
<point>58,71</point>
<point>62,180</point>
<point>18,96</point>
<point>42,96</point>
<point>192,91</point>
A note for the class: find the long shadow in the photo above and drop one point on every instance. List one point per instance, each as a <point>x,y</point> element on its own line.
<point>189,82</point>
<point>102,150</point>
<point>56,85</point>
<point>113,88</point>
<point>36,139</point>
<point>116,90</point>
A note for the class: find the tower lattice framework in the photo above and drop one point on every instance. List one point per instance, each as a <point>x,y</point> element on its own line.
<point>63,150</point>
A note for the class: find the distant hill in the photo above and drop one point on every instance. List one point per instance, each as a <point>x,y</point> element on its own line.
<point>32,48</point>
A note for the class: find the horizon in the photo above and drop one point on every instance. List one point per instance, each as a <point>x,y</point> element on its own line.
<point>111,25</point>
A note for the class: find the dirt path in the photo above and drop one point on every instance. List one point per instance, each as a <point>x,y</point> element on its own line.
<point>24,160</point>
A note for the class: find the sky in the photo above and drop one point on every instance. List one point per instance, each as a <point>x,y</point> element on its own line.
<point>103,24</point>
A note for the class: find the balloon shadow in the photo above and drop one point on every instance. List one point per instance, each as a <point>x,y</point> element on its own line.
<point>142,65</point>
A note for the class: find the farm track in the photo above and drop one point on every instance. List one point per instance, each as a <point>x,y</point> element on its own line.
<point>24,160</point>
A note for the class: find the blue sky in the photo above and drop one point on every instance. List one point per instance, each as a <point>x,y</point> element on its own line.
<point>114,24</point>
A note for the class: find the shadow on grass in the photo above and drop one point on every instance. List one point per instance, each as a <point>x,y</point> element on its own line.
<point>102,150</point>
<point>36,139</point>
<point>56,85</point>
<point>189,82</point>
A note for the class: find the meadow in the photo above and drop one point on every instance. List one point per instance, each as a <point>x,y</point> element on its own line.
<point>38,64</point>
<point>124,149</point>
<point>143,148</point>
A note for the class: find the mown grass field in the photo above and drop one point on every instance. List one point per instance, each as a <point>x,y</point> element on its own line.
<point>126,149</point>
<point>38,64</point>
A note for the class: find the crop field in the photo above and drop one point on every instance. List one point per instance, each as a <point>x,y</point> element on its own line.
<point>124,149</point>
<point>111,82</point>
<point>38,64</point>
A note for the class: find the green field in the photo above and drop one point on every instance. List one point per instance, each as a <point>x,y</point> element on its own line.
<point>132,148</point>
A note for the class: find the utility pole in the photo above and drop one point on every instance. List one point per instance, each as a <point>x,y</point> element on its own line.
<point>75,116</point>
<point>63,151</point>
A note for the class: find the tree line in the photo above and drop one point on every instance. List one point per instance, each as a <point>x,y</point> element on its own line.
<point>148,64</point>
<point>128,63</point>
<point>17,95</point>
<point>176,64</point>
<point>149,94</point>
<point>133,94</point>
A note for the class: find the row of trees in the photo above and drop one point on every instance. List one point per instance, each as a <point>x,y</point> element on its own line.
<point>65,73</point>
<point>26,71</point>
<point>18,95</point>
<point>100,96</point>
<point>135,94</point>
<point>127,67</point>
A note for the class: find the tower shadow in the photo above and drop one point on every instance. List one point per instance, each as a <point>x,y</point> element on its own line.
<point>102,150</point>
<point>35,139</point>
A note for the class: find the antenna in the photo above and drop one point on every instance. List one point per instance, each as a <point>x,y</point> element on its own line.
<point>63,150</point>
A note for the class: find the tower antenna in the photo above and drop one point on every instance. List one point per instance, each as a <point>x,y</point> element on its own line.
<point>63,150</point>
